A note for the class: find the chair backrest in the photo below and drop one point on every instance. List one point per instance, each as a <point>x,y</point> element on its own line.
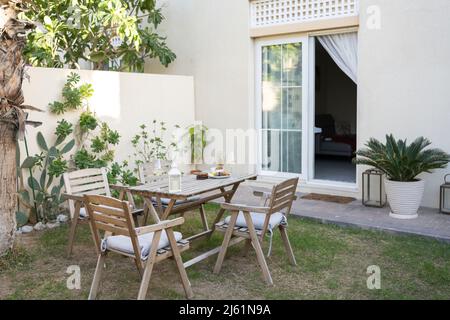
<point>283,194</point>
<point>111,216</point>
<point>281,198</point>
<point>147,174</point>
<point>86,181</point>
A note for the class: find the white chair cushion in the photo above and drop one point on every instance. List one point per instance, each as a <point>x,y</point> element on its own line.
<point>165,201</point>
<point>123,243</point>
<point>258,220</point>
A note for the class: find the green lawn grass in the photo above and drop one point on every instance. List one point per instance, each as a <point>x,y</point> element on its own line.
<point>332,264</point>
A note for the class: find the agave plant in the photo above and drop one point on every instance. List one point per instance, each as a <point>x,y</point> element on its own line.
<point>401,161</point>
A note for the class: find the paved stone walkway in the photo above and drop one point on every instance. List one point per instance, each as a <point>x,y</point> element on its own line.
<point>430,222</point>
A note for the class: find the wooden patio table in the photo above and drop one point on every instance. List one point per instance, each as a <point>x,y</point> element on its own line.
<point>206,190</point>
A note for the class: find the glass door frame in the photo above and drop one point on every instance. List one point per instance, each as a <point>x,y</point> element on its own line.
<point>259,44</point>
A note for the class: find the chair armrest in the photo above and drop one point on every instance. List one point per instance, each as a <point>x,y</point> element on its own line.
<point>265,195</point>
<point>243,207</point>
<point>120,187</point>
<point>73,197</point>
<point>160,226</point>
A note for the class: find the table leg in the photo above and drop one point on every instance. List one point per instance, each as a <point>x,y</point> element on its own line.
<point>151,209</point>
<point>168,209</point>
<point>160,207</point>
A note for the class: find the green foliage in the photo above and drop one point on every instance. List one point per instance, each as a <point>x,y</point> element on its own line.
<point>151,145</point>
<point>21,218</point>
<point>88,121</point>
<point>114,34</point>
<point>51,164</point>
<point>63,130</point>
<point>400,161</point>
<point>74,96</point>
<point>97,147</point>
<point>121,173</point>
<point>83,160</point>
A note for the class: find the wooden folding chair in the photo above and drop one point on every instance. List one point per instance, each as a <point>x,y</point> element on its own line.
<point>252,223</point>
<point>145,245</point>
<point>146,175</point>
<point>81,182</point>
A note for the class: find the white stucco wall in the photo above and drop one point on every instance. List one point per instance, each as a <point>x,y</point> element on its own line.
<point>212,42</point>
<point>123,100</point>
<point>404,76</point>
<point>404,69</point>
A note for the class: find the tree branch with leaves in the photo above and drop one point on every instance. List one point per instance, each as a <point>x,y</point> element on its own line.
<point>112,34</point>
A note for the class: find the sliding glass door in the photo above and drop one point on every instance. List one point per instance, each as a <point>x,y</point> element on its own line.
<point>282,104</point>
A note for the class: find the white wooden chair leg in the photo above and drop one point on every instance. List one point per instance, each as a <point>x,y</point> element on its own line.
<point>226,241</point>
<point>287,245</point>
<point>97,276</point>
<point>257,246</point>
<point>149,266</point>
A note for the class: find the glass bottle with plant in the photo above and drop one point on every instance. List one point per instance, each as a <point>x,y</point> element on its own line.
<point>197,136</point>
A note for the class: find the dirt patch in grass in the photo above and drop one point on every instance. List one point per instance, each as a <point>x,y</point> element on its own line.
<point>331,264</point>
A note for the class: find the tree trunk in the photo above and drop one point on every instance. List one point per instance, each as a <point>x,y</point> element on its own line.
<point>8,183</point>
<point>12,116</point>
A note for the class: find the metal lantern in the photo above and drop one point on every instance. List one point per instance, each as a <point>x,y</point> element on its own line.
<point>444,196</point>
<point>373,193</point>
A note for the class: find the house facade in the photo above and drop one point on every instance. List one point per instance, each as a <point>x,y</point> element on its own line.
<point>316,79</point>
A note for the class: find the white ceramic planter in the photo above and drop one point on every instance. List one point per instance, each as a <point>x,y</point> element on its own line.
<point>404,198</point>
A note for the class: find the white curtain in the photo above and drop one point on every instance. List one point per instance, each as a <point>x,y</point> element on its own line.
<point>343,48</point>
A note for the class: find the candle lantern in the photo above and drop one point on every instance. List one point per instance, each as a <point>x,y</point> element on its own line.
<point>373,193</point>
<point>444,196</point>
<point>174,178</point>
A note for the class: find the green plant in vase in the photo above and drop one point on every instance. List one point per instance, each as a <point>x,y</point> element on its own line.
<point>402,163</point>
<point>197,136</point>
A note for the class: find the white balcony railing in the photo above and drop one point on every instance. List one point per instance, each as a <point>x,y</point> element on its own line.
<point>276,12</point>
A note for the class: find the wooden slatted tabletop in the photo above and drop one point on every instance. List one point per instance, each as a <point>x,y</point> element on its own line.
<point>190,186</point>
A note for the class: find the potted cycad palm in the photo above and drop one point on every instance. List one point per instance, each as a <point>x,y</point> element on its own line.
<point>402,163</point>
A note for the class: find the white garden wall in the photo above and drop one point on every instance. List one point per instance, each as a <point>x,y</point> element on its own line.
<point>123,100</point>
